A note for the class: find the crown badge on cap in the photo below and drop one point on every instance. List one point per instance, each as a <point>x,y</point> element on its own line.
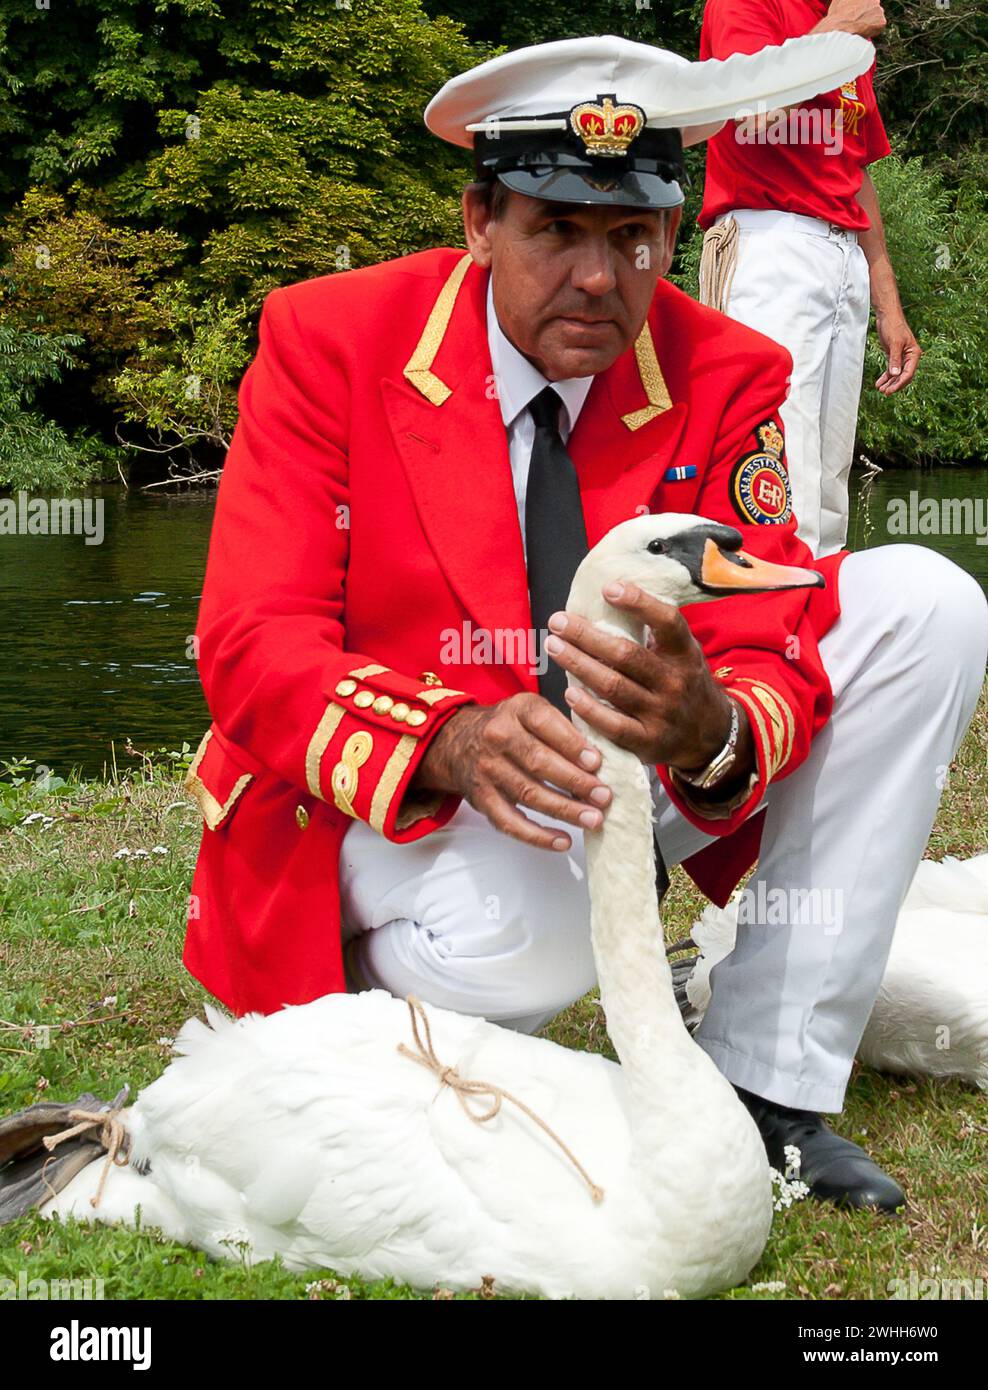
<point>604,128</point>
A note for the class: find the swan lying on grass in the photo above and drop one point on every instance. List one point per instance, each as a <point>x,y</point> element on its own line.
<point>437,1148</point>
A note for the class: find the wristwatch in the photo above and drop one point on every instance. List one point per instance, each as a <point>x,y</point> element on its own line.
<point>721,763</point>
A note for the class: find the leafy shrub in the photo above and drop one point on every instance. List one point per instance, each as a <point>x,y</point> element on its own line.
<point>34,451</point>
<point>182,387</point>
<point>938,242</point>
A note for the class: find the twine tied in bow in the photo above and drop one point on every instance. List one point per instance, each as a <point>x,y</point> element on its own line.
<point>112,1135</point>
<point>463,1089</point>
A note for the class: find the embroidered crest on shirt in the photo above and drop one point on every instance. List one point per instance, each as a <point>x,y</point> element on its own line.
<point>759,482</point>
<point>852,108</point>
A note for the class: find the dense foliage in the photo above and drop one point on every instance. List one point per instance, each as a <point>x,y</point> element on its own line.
<point>168,162</point>
<point>35,452</point>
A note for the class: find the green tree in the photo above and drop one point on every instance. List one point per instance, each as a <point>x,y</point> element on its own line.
<point>671,24</point>
<point>932,83</point>
<point>34,451</point>
<point>184,153</point>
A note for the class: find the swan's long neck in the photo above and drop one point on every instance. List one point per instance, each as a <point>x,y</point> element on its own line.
<point>635,983</point>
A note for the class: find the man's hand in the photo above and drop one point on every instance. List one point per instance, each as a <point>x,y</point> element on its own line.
<point>864,17</point>
<point>662,702</point>
<point>900,348</point>
<point>499,757</point>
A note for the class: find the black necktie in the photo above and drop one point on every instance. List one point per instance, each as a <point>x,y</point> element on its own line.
<point>555,534</point>
<point>555,543</point>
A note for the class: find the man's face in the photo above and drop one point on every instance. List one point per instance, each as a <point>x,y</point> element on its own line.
<point>572,282</point>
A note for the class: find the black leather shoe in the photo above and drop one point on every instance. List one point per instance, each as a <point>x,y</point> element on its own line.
<point>834,1169</point>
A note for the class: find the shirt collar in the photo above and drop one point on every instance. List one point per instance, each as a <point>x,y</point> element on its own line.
<point>518,382</point>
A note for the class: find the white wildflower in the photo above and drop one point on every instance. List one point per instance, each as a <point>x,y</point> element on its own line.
<point>789,1189</point>
<point>122,853</point>
<point>770,1286</point>
<point>159,849</point>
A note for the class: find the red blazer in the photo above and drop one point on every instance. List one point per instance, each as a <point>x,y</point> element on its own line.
<point>367,510</point>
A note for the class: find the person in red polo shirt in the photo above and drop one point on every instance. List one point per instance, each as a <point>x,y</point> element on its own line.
<point>795,247</point>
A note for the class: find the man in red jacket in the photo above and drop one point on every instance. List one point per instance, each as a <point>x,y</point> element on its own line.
<point>425,449</point>
<point>795,246</point>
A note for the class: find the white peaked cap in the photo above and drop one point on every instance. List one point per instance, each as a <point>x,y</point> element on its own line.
<point>674,93</point>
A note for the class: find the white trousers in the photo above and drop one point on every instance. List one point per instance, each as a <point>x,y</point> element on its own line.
<point>805,284</point>
<point>472,920</point>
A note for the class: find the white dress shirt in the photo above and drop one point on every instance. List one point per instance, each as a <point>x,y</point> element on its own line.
<point>517,383</point>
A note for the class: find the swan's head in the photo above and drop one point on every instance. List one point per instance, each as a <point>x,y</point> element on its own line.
<point>679,559</point>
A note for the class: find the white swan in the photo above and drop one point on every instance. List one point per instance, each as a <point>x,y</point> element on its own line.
<point>309,1135</point>
<point>931,1014</point>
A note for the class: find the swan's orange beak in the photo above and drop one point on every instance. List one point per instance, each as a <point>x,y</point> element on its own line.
<point>724,572</point>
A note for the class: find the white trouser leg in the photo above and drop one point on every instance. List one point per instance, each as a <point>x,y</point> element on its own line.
<point>805,292</point>
<point>906,661</point>
<point>841,396</point>
<point>468,919</point>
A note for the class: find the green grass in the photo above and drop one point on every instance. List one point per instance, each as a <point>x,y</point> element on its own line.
<point>91,949</point>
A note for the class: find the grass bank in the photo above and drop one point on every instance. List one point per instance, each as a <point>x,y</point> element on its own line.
<point>93,884</point>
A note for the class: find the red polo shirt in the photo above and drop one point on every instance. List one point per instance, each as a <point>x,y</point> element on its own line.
<point>790,173</point>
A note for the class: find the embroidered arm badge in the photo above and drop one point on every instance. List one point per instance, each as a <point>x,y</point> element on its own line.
<point>760,483</point>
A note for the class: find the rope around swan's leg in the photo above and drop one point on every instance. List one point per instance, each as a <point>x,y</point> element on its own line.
<point>464,1089</point>
<point>112,1135</point>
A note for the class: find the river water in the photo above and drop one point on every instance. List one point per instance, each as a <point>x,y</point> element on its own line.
<point>96,637</point>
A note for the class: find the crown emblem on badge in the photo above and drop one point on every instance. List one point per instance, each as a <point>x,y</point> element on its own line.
<point>771,439</point>
<point>605,128</point>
